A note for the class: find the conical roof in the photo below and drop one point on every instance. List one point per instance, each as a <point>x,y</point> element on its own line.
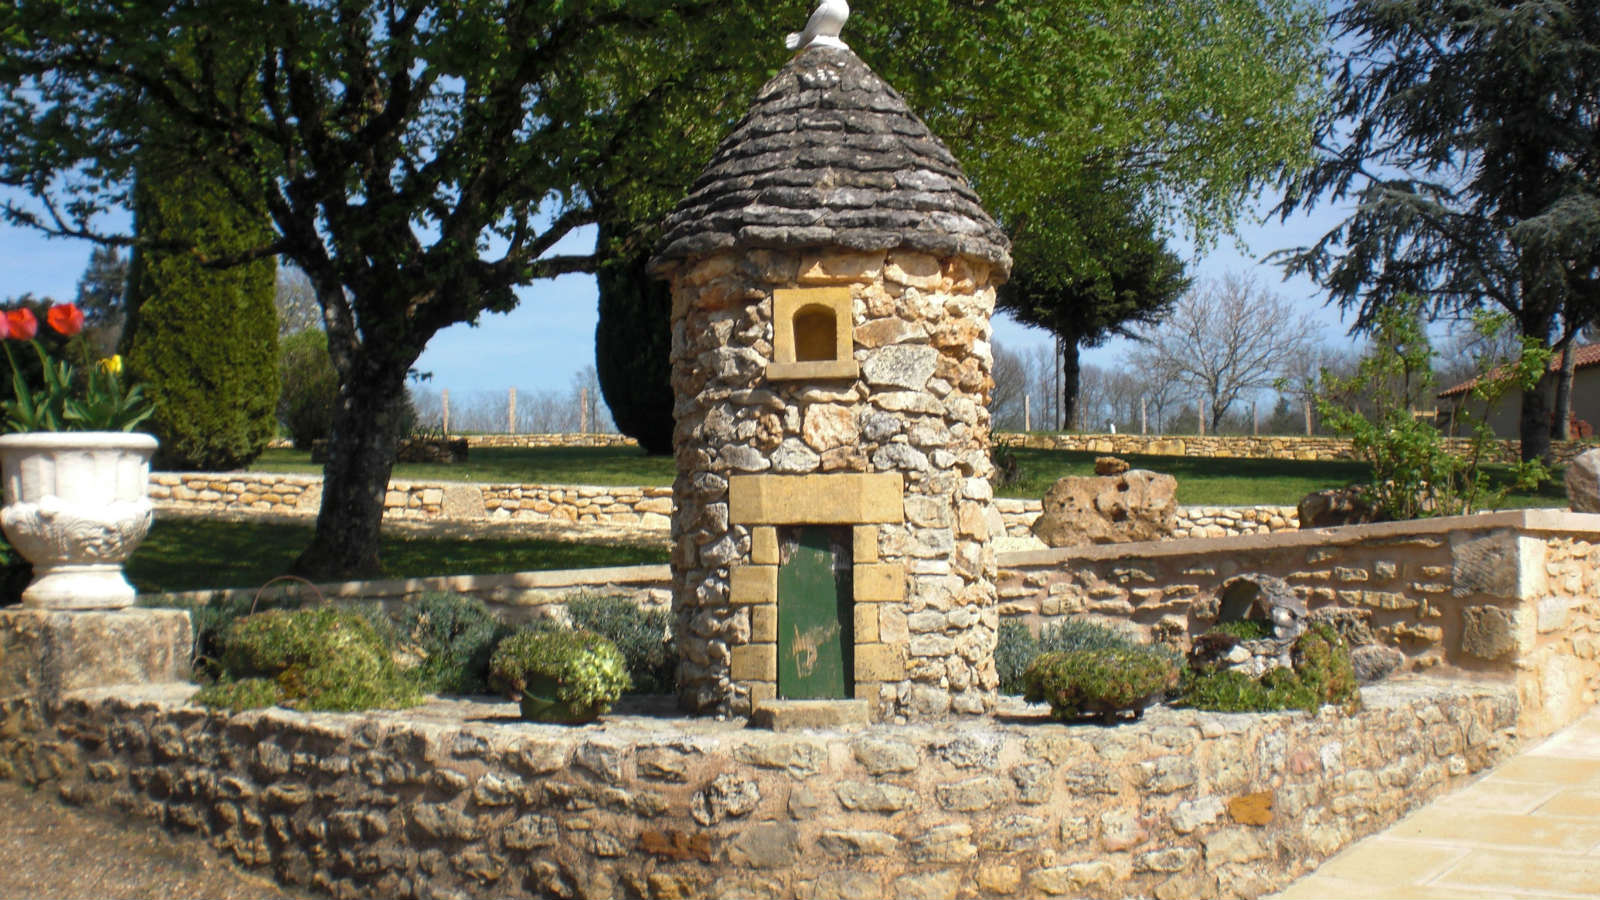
<point>830,156</point>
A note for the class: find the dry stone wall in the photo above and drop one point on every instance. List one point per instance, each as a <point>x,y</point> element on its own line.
<point>643,508</point>
<point>461,799</point>
<point>916,409</point>
<point>1511,595</point>
<point>1252,446</point>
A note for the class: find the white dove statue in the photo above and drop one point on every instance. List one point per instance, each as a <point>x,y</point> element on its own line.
<point>823,28</point>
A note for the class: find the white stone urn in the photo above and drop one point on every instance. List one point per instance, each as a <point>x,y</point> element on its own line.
<point>75,507</point>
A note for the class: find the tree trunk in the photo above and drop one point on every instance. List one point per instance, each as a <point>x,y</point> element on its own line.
<point>361,455</point>
<point>1068,348</point>
<point>1535,422</point>
<point>1569,369</point>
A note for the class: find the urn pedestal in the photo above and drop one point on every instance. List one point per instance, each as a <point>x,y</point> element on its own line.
<point>75,507</point>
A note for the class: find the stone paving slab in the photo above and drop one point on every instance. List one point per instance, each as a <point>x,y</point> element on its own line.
<point>1530,828</point>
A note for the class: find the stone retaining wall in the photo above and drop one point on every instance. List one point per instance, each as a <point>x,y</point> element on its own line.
<point>461,799</point>
<point>1249,446</point>
<point>1511,596</point>
<point>1193,521</point>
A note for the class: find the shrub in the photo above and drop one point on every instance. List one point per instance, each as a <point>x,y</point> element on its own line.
<point>201,340</point>
<point>1014,647</point>
<point>211,619</point>
<point>320,659</point>
<point>1100,682</point>
<point>310,388</point>
<point>454,636</point>
<point>633,343</point>
<point>586,669</point>
<point>643,637</point>
<point>246,693</point>
<point>1322,674</point>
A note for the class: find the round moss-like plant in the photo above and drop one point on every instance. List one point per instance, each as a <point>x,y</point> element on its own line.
<point>564,676</point>
<point>1103,682</point>
<point>319,659</point>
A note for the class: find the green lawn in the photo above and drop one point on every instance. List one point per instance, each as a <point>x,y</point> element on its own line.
<point>196,554</point>
<point>1201,481</point>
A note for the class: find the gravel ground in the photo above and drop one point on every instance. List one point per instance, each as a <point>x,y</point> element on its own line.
<point>49,850</point>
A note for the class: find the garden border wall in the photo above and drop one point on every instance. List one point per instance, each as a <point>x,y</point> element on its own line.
<point>1277,446</point>
<point>460,799</point>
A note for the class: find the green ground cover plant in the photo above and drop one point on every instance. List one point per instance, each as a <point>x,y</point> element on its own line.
<point>1102,682</point>
<point>452,636</point>
<point>1322,674</point>
<point>324,659</point>
<point>1016,646</point>
<point>195,554</point>
<point>1201,481</point>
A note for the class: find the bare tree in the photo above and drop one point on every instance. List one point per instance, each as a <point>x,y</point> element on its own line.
<point>1224,339</point>
<point>296,299</point>
<point>1010,387</point>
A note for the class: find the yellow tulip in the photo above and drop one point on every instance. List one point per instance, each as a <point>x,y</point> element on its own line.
<point>112,365</point>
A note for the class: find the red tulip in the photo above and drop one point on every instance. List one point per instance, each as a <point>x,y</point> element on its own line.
<point>65,318</point>
<point>5,328</point>
<point>22,324</point>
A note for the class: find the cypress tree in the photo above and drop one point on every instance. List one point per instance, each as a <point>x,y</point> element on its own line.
<point>203,340</point>
<point>633,343</point>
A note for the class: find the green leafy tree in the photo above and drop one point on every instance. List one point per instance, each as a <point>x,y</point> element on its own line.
<point>421,160</point>
<point>1463,137</point>
<point>202,341</point>
<point>1413,473</point>
<point>102,290</point>
<point>308,388</point>
<point>1090,266</point>
<point>633,344</point>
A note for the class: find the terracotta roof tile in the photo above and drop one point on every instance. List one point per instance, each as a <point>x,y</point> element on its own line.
<point>1587,355</point>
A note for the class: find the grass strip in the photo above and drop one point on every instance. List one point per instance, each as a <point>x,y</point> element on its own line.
<point>195,554</point>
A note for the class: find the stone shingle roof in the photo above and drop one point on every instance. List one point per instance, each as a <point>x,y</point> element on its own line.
<point>830,156</point>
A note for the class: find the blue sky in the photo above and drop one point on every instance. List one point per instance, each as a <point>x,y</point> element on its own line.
<point>550,335</point>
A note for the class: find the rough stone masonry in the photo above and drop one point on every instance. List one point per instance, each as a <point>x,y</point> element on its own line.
<point>832,283</point>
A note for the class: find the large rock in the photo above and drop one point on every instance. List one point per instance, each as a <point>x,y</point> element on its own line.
<point>1583,482</point>
<point>1137,505</point>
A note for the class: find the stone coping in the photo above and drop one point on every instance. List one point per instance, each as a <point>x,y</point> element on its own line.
<point>1556,521</point>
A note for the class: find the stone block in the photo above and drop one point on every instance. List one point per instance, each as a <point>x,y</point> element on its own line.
<point>1488,632</point>
<point>753,584</point>
<point>48,652</point>
<point>754,662</point>
<point>878,662</point>
<point>764,623</point>
<point>796,715</point>
<point>849,498</point>
<point>866,623</point>
<point>764,545</point>
<point>864,541</point>
<point>880,583</point>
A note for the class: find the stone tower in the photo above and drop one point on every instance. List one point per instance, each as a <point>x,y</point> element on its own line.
<point>833,279</point>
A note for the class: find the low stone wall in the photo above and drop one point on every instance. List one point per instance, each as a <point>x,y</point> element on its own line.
<point>195,493</point>
<point>461,799</point>
<point>1193,521</point>
<point>549,440</point>
<point>1510,596</point>
<point>517,598</point>
<point>1249,446</point>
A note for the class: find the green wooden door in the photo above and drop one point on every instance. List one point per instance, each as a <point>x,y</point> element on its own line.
<point>815,646</point>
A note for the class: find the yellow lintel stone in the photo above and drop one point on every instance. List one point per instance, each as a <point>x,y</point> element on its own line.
<point>753,584</point>
<point>880,583</point>
<point>846,498</point>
